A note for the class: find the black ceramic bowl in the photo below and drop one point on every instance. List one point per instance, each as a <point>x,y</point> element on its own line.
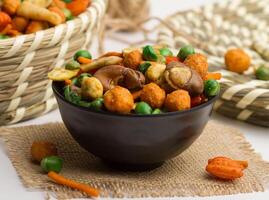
<point>133,141</point>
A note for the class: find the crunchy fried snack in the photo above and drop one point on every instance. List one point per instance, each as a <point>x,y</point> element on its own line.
<point>119,100</point>
<point>132,59</point>
<point>11,6</point>
<point>226,168</point>
<point>42,149</point>
<point>197,62</point>
<point>35,26</point>
<point>237,60</point>
<point>34,12</point>
<point>178,100</point>
<point>153,95</point>
<point>19,23</point>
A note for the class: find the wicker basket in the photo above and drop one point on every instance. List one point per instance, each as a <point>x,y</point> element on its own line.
<point>25,91</point>
<point>216,27</point>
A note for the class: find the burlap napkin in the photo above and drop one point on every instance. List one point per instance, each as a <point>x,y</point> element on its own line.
<point>181,176</point>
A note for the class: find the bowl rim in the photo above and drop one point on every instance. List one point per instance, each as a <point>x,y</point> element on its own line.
<point>58,94</point>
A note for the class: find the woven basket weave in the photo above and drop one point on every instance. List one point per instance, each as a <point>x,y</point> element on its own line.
<point>25,91</point>
<point>217,27</point>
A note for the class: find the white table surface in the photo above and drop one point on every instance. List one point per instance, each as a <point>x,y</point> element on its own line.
<point>11,187</point>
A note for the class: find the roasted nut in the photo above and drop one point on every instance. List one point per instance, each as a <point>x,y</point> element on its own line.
<point>91,88</point>
<point>153,95</point>
<point>237,60</point>
<point>113,75</point>
<point>155,72</point>
<point>42,149</point>
<point>133,79</point>
<point>101,62</point>
<point>119,100</point>
<point>197,62</point>
<point>226,168</point>
<point>179,76</point>
<point>178,100</point>
<point>132,60</point>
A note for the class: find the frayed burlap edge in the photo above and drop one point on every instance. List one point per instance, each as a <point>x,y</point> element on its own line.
<point>120,189</point>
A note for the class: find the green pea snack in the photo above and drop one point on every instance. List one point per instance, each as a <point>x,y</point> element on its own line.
<point>185,51</point>
<point>82,53</point>
<point>262,73</point>
<point>52,163</point>
<point>149,53</point>
<point>144,67</point>
<point>211,88</point>
<point>143,108</point>
<point>138,81</point>
<point>72,65</point>
<point>166,52</point>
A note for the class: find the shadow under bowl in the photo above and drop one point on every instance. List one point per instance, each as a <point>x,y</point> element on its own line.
<point>133,142</point>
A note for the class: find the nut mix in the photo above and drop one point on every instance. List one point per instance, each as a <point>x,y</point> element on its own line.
<point>29,16</point>
<point>148,80</point>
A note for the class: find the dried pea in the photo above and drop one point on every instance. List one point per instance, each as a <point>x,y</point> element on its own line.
<point>149,53</point>
<point>82,53</point>
<point>211,88</point>
<point>72,65</point>
<point>185,51</point>
<point>52,163</point>
<point>262,73</point>
<point>156,111</point>
<point>97,104</point>
<point>143,108</point>
<point>144,67</point>
<point>166,52</point>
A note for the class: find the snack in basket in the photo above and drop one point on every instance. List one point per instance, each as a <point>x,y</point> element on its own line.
<point>237,60</point>
<point>147,80</point>
<point>29,16</point>
<point>226,168</point>
<point>262,73</point>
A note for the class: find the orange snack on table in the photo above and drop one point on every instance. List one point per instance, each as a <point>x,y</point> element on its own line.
<point>226,168</point>
<point>153,95</point>
<point>78,6</point>
<point>119,99</point>
<point>197,62</point>
<point>178,100</point>
<point>237,60</point>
